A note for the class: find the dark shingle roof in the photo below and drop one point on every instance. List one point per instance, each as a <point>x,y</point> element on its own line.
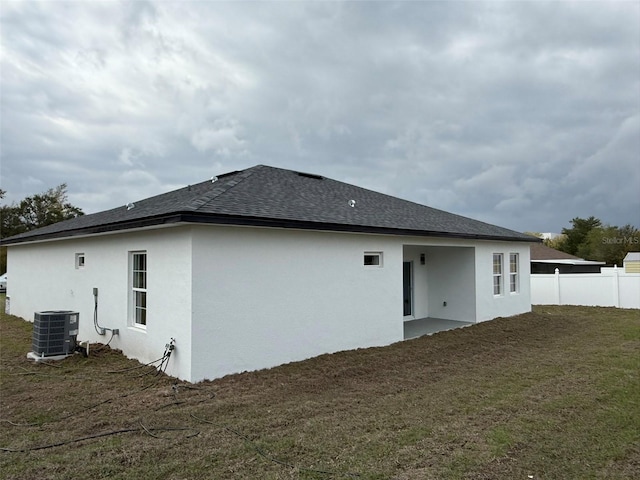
<point>268,196</point>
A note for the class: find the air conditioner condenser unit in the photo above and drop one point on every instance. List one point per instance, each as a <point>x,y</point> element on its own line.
<point>54,333</point>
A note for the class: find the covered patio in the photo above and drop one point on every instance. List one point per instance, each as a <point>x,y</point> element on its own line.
<point>439,290</point>
<point>429,326</point>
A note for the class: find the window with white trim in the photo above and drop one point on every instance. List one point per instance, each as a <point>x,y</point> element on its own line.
<point>514,277</point>
<point>497,274</point>
<point>373,259</point>
<point>138,290</point>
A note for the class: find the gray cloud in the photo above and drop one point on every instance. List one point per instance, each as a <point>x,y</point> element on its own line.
<point>524,114</point>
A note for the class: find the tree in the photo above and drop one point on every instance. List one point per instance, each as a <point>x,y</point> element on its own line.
<point>10,221</point>
<point>578,233</point>
<point>557,242</point>
<point>591,240</point>
<point>34,212</point>
<point>610,244</point>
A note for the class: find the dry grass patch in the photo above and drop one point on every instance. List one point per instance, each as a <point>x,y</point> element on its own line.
<point>551,394</point>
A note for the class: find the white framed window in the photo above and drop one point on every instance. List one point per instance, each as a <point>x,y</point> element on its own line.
<point>497,274</point>
<point>514,274</point>
<point>138,288</point>
<point>372,259</point>
<point>79,260</point>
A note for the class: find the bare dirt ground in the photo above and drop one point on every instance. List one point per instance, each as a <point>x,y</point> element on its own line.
<point>550,394</point>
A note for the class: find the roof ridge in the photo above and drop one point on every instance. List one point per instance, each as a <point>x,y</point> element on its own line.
<point>215,192</point>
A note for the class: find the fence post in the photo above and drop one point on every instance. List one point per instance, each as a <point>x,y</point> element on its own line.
<point>556,284</point>
<point>616,287</point>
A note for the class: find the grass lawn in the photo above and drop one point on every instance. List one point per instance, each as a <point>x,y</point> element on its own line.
<point>553,394</point>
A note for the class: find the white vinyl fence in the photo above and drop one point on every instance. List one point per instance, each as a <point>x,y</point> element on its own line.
<point>612,287</point>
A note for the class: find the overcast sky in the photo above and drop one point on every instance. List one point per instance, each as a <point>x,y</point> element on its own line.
<point>521,114</point>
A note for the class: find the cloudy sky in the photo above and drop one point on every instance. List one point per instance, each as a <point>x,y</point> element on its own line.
<point>522,114</point>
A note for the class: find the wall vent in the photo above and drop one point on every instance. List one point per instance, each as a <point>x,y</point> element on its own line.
<point>54,332</point>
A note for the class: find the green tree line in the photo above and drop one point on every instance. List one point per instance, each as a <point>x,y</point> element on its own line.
<point>33,212</point>
<point>590,239</point>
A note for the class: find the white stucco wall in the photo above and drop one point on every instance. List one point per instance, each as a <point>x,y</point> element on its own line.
<point>44,277</point>
<point>264,297</point>
<point>452,280</point>
<point>240,298</point>
<point>489,306</point>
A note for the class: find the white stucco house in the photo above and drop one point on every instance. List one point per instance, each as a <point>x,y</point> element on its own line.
<point>265,266</point>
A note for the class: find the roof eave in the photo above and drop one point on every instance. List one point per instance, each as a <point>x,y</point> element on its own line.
<point>95,230</point>
<point>217,219</point>
<point>568,261</point>
<point>338,227</point>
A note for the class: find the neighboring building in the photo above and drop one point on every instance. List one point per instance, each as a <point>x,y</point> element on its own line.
<point>546,259</point>
<point>266,266</point>
<point>632,262</point>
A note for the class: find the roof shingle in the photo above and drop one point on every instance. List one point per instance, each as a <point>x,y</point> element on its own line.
<point>540,251</point>
<point>269,196</point>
